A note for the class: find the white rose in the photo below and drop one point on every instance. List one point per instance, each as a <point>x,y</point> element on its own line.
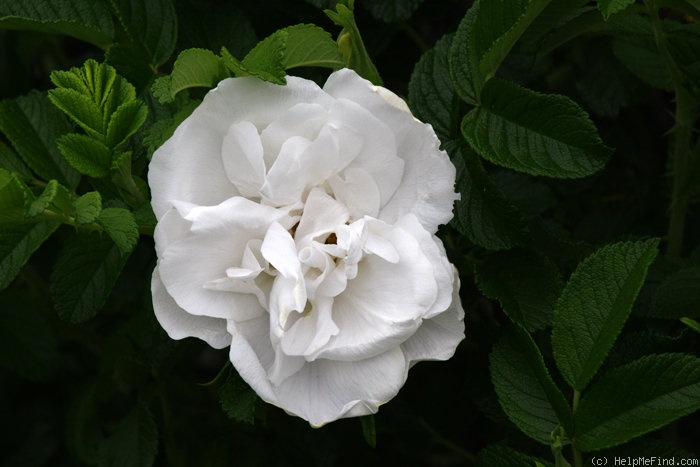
<point>297,226</point>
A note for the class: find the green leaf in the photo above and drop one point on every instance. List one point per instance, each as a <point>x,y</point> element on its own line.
<point>483,214</point>
<point>309,45</point>
<point>17,244</point>
<point>88,207</point>
<point>151,24</point>
<point>80,108</point>
<point>54,197</point>
<point>28,344</point>
<point>637,398</point>
<point>83,277</point>
<point>10,161</point>
<point>538,134</point>
<point>291,47</point>
<point>161,130</point>
<point>499,454</point>
<point>15,197</point>
<point>369,430</point>
<point>100,101</point>
<point>134,441</point>
<point>237,399</point>
<point>525,389</point>
<point>484,38</point>
<point>124,122</point>
<point>32,125</point>
<point>88,21</point>
<point>594,306</point>
<point>678,295</point>
<point>431,95</point>
<point>120,225</point>
<point>392,11</point>
<point>85,154</point>
<point>266,60</point>
<point>350,43</point>
<point>526,284</point>
<point>610,7</point>
<point>691,323</point>
<point>639,54</point>
<point>193,68</point>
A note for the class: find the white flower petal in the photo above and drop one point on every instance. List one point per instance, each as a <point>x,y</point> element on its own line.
<point>438,337</point>
<point>216,242</point>
<point>384,304</point>
<point>180,324</point>
<point>242,155</point>
<point>326,390</point>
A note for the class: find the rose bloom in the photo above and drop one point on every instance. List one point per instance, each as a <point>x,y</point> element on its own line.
<point>296,224</point>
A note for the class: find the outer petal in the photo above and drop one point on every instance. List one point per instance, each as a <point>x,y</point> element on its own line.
<point>188,167</point>
<point>437,338</point>
<point>180,324</point>
<point>324,390</point>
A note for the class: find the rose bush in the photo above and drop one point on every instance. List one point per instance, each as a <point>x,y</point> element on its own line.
<point>296,224</point>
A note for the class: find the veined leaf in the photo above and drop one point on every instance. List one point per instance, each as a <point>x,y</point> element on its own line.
<point>534,133</point>
<point>9,160</point>
<point>32,125</point>
<point>525,389</point>
<point>431,96</point>
<point>484,38</point>
<point>55,197</point>
<point>120,225</point>
<point>636,398</point>
<point>193,68</point>
<point>483,214</point>
<point>594,306</point>
<point>83,277</point>
<point>88,21</point>
<point>610,7</point>
<point>124,122</point>
<point>17,244</point>
<point>92,96</point>
<point>151,24</point>
<point>526,284</point>
<point>85,154</point>
<point>88,207</point>
<point>15,198</point>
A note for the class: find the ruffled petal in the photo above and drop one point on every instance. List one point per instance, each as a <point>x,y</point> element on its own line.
<point>438,337</point>
<point>384,304</point>
<point>188,167</point>
<point>180,324</point>
<point>427,186</point>
<point>216,242</point>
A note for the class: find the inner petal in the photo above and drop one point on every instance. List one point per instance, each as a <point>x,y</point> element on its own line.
<point>242,156</point>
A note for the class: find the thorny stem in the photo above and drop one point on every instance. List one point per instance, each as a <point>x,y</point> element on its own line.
<point>680,152</point>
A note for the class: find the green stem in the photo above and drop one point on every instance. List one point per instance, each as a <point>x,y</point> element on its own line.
<point>578,458</point>
<point>680,148</point>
